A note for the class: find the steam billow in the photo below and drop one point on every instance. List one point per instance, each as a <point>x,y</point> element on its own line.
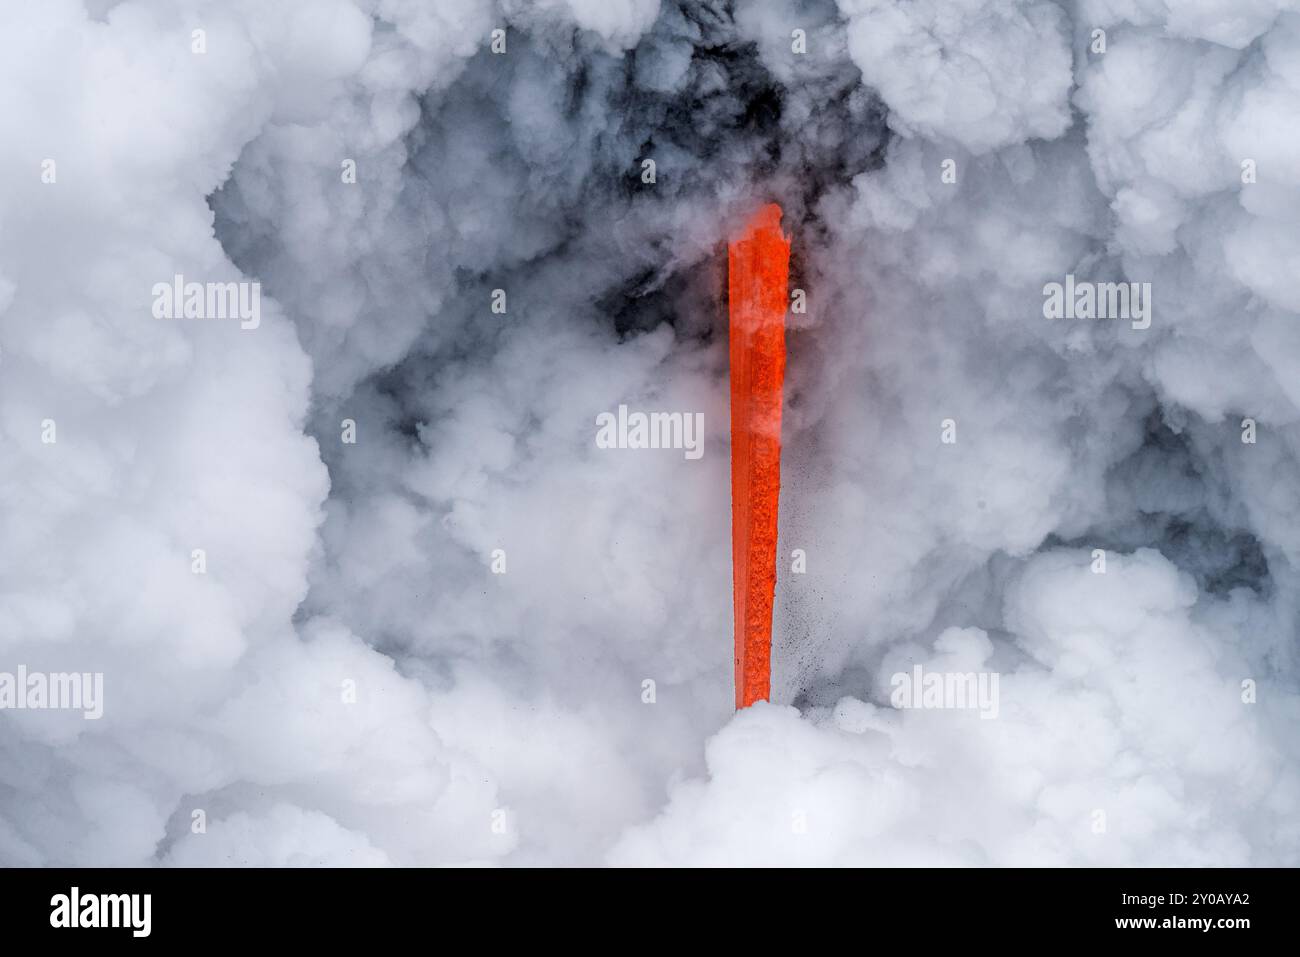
<point>406,538</point>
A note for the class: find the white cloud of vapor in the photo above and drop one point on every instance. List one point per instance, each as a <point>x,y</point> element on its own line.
<point>351,684</point>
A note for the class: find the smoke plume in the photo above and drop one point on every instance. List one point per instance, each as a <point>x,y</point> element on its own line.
<point>364,589</point>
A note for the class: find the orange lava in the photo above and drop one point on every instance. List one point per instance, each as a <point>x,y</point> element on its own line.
<point>758,279</point>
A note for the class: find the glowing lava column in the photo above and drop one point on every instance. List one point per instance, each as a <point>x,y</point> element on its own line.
<point>758,276</point>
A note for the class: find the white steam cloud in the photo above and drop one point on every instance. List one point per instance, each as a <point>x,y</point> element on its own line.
<point>350,681</point>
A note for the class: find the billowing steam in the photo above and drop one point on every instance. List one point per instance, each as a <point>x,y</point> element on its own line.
<point>363,588</point>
